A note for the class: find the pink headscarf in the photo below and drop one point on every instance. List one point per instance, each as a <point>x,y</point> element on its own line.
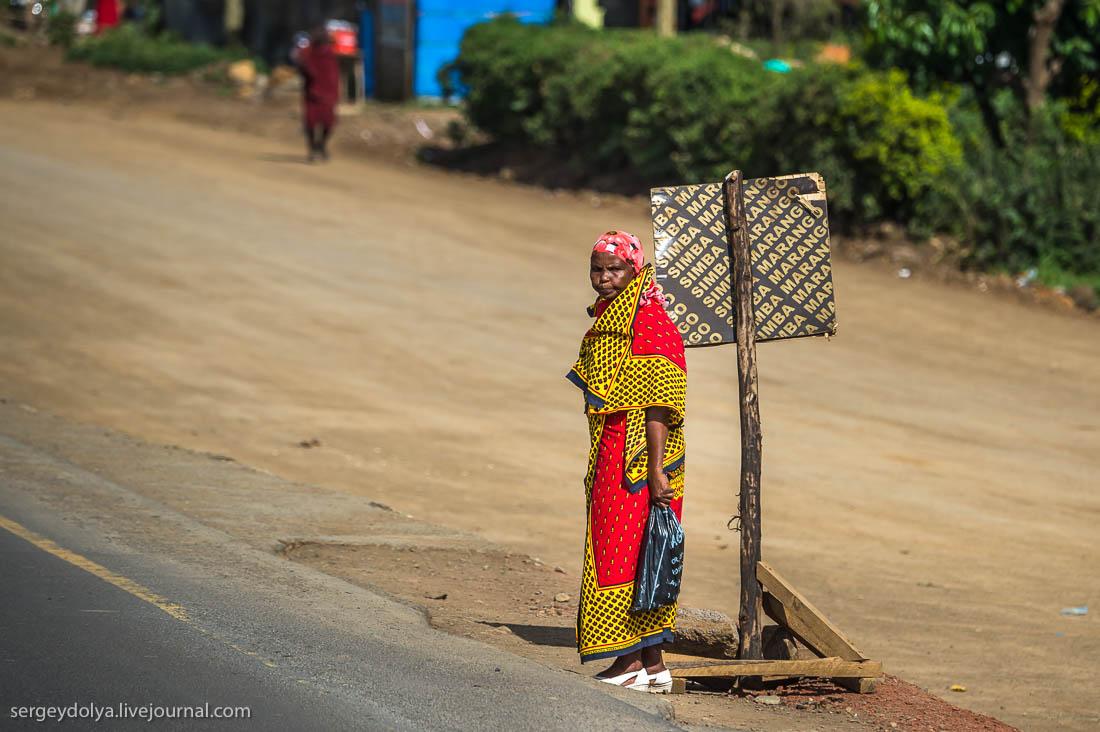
<point>626,246</point>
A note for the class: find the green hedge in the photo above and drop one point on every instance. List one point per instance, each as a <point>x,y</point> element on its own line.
<point>683,109</point>
<point>127,47</point>
<point>1033,203</point>
<point>687,109</point>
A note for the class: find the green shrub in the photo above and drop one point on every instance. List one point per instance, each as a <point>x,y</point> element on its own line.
<point>1031,204</point>
<point>879,147</point>
<point>502,66</point>
<point>687,110</point>
<point>127,48</point>
<point>1084,289</point>
<point>683,109</point>
<point>1081,115</point>
<point>692,120</point>
<point>61,29</point>
<point>904,142</point>
<point>588,104</point>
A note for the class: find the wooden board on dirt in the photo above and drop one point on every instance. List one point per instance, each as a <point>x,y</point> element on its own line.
<point>822,667</point>
<point>786,606</point>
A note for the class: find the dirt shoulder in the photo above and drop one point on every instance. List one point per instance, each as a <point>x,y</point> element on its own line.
<point>194,285</point>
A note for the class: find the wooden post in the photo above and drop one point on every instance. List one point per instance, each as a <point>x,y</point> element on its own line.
<point>749,617</point>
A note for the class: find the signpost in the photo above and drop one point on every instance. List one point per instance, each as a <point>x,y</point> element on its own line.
<point>788,243</point>
<point>740,262</point>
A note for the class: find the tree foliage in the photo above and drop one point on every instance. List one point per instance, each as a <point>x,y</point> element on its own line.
<point>1033,47</point>
<point>1031,203</point>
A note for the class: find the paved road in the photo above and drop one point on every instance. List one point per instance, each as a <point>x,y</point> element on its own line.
<point>110,597</point>
<point>70,638</point>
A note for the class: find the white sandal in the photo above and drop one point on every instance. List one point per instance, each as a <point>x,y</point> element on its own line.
<point>661,682</point>
<point>640,682</point>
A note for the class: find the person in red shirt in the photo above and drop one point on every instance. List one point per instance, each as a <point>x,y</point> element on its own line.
<point>106,15</point>
<point>321,92</point>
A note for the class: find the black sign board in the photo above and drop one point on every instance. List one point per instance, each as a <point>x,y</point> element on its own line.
<point>788,228</point>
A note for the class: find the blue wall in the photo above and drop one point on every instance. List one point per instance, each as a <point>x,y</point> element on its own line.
<point>441,23</point>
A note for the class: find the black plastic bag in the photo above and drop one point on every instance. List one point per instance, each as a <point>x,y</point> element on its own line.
<point>657,579</point>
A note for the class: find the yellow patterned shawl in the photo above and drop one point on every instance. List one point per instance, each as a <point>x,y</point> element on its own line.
<point>618,373</point>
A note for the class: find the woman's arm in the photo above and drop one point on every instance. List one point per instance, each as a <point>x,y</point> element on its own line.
<point>656,434</point>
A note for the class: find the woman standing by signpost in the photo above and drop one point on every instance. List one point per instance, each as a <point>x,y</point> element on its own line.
<point>633,374</point>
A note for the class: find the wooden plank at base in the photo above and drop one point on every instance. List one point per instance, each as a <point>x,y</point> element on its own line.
<point>823,667</point>
<point>790,609</point>
<point>859,686</point>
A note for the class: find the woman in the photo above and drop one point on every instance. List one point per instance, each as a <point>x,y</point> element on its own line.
<point>633,375</point>
<point>106,15</point>
<point>321,89</point>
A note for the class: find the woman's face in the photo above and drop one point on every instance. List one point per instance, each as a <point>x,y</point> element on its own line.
<point>610,275</point>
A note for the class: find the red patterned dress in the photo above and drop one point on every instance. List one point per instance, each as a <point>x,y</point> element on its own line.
<point>631,359</point>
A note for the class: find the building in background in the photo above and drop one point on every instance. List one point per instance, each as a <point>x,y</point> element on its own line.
<point>404,43</point>
<point>438,31</point>
<point>265,27</point>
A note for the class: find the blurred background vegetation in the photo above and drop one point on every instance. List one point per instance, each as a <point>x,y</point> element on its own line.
<point>977,121</point>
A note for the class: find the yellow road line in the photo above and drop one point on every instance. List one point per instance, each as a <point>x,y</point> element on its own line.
<point>123,583</point>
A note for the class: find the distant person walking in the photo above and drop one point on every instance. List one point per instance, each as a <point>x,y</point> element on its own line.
<point>634,378</point>
<point>106,15</point>
<point>321,92</point>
